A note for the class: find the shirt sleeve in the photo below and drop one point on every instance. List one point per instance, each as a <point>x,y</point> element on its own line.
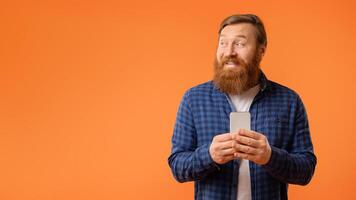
<point>188,161</point>
<point>296,166</point>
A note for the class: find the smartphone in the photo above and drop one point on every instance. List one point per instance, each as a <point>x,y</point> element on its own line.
<point>240,120</point>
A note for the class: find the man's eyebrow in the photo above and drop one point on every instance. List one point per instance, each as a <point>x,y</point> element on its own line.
<point>240,36</point>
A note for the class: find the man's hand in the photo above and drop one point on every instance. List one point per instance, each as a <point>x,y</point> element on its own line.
<point>222,148</point>
<point>252,146</point>
<point>242,144</point>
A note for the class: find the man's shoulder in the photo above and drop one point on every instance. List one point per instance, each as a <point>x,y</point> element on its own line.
<point>203,87</point>
<point>282,90</point>
<point>200,92</point>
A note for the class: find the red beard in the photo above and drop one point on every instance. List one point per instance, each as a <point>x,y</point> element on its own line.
<point>238,79</point>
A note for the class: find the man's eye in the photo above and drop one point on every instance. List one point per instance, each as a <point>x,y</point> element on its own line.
<point>240,44</point>
<point>222,43</point>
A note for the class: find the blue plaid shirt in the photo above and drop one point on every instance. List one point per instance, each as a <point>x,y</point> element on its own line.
<point>276,112</point>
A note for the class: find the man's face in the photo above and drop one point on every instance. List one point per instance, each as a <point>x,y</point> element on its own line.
<point>237,58</point>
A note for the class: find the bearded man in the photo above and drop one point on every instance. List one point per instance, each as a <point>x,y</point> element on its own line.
<point>244,164</point>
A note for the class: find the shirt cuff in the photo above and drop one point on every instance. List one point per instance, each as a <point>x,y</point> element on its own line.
<point>277,160</point>
<point>205,160</point>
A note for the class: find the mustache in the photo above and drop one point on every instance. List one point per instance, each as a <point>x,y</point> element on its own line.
<point>233,59</point>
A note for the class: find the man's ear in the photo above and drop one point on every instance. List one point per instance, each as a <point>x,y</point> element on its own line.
<point>262,50</point>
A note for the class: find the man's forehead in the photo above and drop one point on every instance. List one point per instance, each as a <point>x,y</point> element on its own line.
<point>242,30</point>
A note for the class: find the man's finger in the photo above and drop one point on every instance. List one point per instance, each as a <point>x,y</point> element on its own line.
<point>226,145</point>
<point>246,156</point>
<point>239,148</point>
<point>230,157</point>
<point>247,141</point>
<point>227,152</point>
<point>224,137</point>
<point>251,134</point>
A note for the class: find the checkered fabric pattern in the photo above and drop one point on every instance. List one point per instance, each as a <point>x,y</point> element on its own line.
<point>276,112</point>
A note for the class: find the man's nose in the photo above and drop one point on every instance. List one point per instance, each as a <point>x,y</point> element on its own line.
<point>230,50</point>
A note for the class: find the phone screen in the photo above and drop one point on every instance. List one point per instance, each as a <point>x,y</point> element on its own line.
<point>240,120</point>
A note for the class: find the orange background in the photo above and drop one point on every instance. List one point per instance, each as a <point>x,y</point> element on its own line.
<point>90,90</point>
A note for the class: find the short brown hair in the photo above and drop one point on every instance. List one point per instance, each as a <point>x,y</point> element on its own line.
<point>247,18</point>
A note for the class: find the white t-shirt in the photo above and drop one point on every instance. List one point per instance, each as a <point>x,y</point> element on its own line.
<point>242,103</point>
